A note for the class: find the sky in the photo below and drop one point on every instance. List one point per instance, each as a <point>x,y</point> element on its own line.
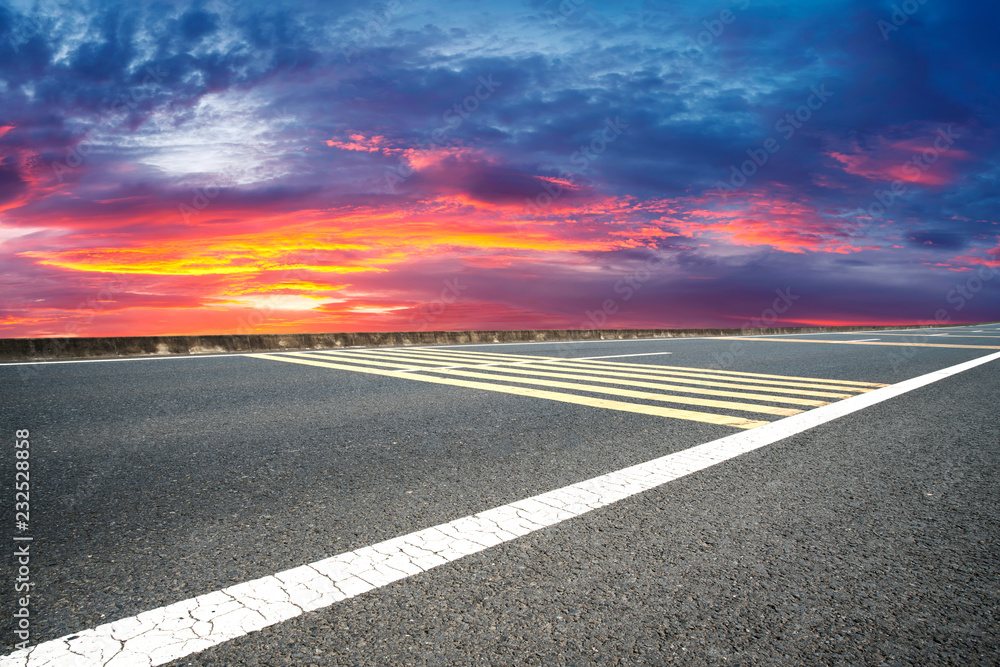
<point>240,166</point>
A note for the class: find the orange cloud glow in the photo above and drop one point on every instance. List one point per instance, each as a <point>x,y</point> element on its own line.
<point>768,219</point>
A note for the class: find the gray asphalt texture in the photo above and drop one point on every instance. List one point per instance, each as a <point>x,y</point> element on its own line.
<point>872,539</point>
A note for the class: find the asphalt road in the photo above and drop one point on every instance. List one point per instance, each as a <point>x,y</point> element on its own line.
<point>871,539</point>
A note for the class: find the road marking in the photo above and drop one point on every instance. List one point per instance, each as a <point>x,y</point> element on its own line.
<point>654,410</point>
<point>421,356</point>
<point>372,357</point>
<point>660,338</point>
<point>677,374</point>
<point>617,356</point>
<point>360,356</point>
<point>739,375</point>
<point>949,335</point>
<point>440,346</point>
<point>618,370</point>
<point>424,368</point>
<point>863,340</point>
<point>705,377</point>
<point>617,378</point>
<point>605,341</point>
<point>643,395</point>
<point>166,357</point>
<point>437,352</point>
<point>172,632</point>
<point>849,342</point>
<point>622,373</point>
<point>671,369</point>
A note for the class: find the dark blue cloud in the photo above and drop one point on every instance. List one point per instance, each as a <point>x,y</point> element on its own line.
<point>195,24</point>
<point>941,240</point>
<point>11,183</point>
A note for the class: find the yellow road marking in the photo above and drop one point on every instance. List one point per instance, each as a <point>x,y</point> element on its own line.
<point>443,360</point>
<point>463,356</point>
<point>470,353</point>
<point>849,342</point>
<point>552,363</point>
<point>700,383</point>
<point>749,375</point>
<point>375,355</point>
<point>645,395</point>
<point>392,362</point>
<point>578,375</point>
<point>652,368</point>
<point>558,364</point>
<point>690,415</point>
<point>677,376</point>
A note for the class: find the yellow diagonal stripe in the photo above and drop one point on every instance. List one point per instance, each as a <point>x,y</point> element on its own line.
<point>437,358</point>
<point>677,376</point>
<point>464,353</point>
<point>742,374</point>
<point>847,384</point>
<point>689,415</point>
<point>558,364</point>
<point>686,381</point>
<point>525,369</point>
<point>354,355</point>
<point>576,386</point>
<point>539,370</point>
<point>456,357</point>
<point>875,385</point>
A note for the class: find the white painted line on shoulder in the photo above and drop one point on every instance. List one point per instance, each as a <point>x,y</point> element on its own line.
<point>162,635</point>
<point>575,342</point>
<point>518,363</point>
<point>863,340</point>
<point>618,356</point>
<point>166,357</point>
<point>444,368</point>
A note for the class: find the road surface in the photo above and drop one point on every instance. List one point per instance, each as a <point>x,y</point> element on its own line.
<point>374,507</point>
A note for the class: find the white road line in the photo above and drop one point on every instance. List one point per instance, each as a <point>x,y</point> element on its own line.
<point>574,342</point>
<point>168,633</point>
<point>165,357</point>
<point>172,357</point>
<point>863,340</point>
<point>617,356</point>
<point>439,368</point>
<point>514,363</point>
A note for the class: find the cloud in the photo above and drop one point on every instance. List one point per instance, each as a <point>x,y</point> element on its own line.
<point>232,160</point>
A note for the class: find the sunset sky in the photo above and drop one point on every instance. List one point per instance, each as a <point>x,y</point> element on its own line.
<point>240,166</point>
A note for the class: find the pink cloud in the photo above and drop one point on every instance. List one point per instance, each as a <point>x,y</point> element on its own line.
<point>929,157</point>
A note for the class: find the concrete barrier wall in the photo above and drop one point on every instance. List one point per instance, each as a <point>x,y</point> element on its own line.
<point>37,349</point>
